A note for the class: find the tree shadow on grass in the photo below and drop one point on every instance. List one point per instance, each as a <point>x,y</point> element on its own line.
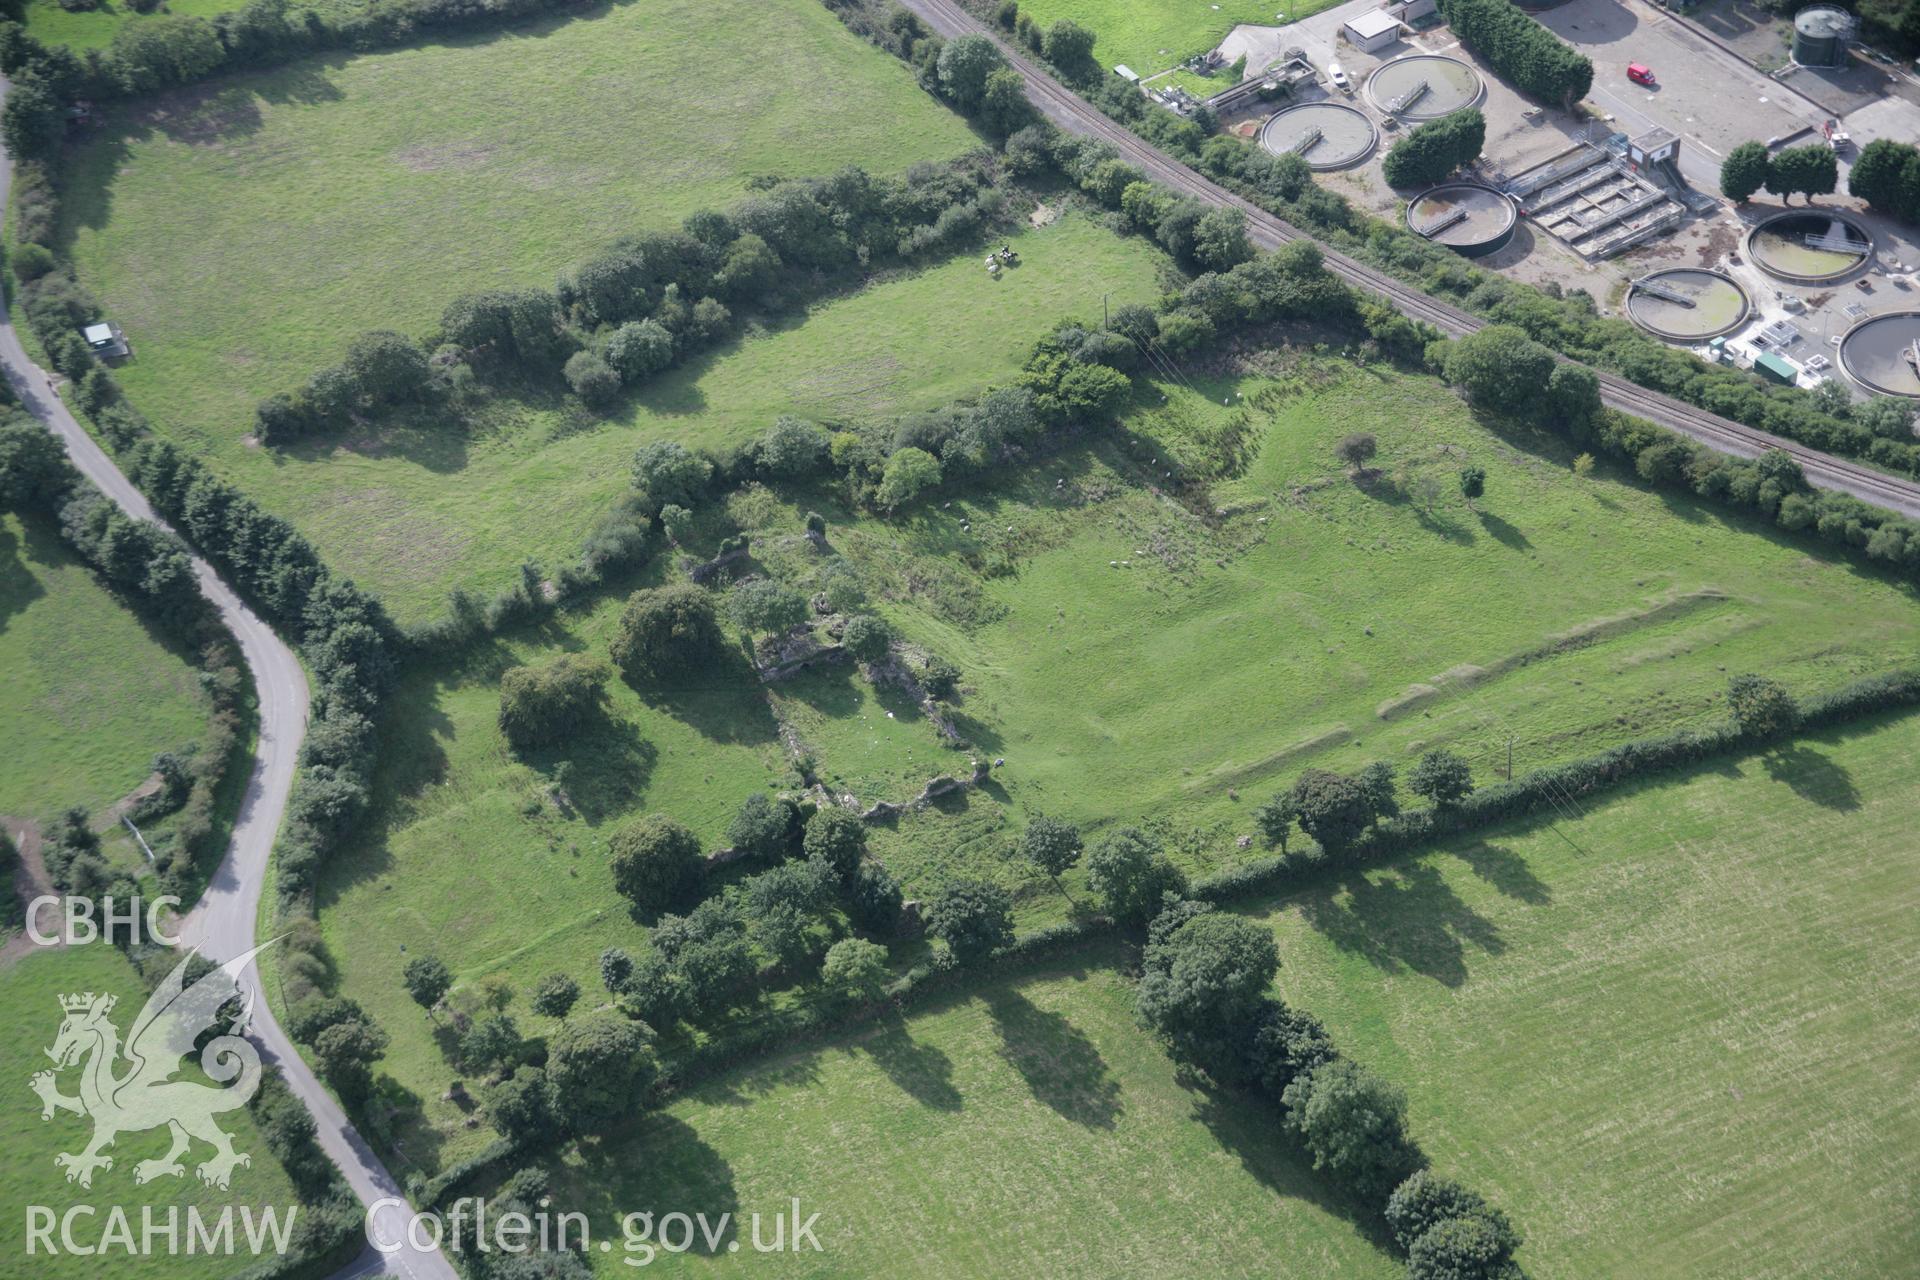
<point>598,770</point>
<point>745,1088</point>
<point>657,1165</point>
<point>831,691</point>
<point>1062,1067</point>
<point>404,1117</point>
<point>723,702</point>
<point>1248,1127</point>
<point>433,439</point>
<point>19,588</point>
<point>1503,533</point>
<point>1812,776</point>
<point>1389,491</point>
<point>1505,870</point>
<point>1402,917</point>
<point>921,1071</point>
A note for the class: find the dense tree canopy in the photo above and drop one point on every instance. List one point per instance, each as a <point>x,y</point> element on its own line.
<point>1050,844</point>
<point>655,861</point>
<point>665,471</point>
<point>1206,977</point>
<point>546,704</point>
<point>554,995</point>
<point>856,969</point>
<point>836,838</point>
<point>1500,368</point>
<point>1745,171</point>
<point>1131,876</point>
<point>1886,174</point>
<point>965,65</point>
<point>1334,808</point>
<point>1532,57</point>
<point>867,637</point>
<point>427,980</point>
<point>665,632</point>
<point>601,1067</point>
<point>974,918</point>
<point>1437,148</point>
<point>765,827</point>
<point>1442,776</point>
<point>1810,171</point>
<point>1354,1123</point>
<point>1761,707</point>
<point>909,473</point>
<point>763,605</point>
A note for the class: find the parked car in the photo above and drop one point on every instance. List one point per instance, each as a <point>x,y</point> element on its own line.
<point>1639,73</point>
<point>1338,75</point>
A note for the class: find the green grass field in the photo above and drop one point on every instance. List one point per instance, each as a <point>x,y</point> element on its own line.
<point>29,1008</point>
<point>1673,1037</point>
<point>1152,35</point>
<point>90,695</point>
<point>1031,1129</point>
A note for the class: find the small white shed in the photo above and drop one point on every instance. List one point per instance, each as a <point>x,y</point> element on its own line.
<point>1375,29</point>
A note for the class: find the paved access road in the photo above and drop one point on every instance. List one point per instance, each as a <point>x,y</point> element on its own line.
<point>222,924</point>
<point>1070,112</point>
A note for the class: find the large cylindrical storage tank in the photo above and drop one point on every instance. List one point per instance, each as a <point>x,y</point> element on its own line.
<point>1820,35</point>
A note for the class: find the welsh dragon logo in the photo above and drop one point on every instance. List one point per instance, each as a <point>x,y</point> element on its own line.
<point>130,1088</point>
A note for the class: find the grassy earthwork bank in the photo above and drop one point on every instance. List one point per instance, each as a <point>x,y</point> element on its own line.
<point>1673,1036</point>
<point>91,693</point>
<point>30,992</point>
<point>1030,1128</point>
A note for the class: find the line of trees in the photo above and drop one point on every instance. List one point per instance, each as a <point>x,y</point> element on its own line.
<point>1205,990</point>
<point>1810,171</point>
<point>1500,369</point>
<point>350,645</point>
<point>650,301</point>
<point>1532,57</point>
<point>1437,148</point>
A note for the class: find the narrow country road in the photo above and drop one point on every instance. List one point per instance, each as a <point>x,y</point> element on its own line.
<point>1070,112</point>
<point>222,924</point>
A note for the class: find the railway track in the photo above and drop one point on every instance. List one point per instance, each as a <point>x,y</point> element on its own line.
<point>1068,111</point>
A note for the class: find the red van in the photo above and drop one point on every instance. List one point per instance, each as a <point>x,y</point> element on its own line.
<point>1639,74</point>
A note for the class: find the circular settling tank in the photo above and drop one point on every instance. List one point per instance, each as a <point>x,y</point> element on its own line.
<point>1470,219</point>
<point>1880,352</point>
<point>1687,304</point>
<point>1424,86</point>
<point>1810,246</point>
<point>1327,135</point>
